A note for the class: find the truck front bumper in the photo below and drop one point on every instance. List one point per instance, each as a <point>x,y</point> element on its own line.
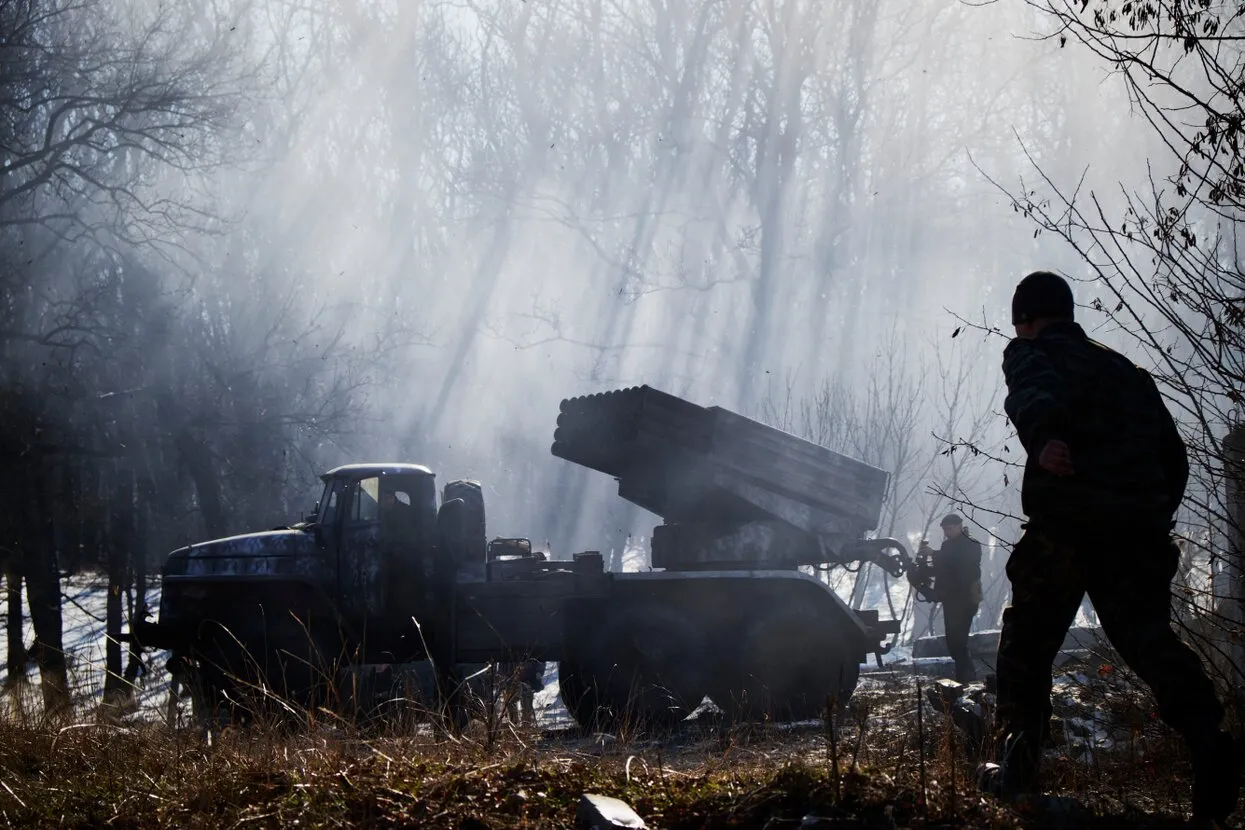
<point>156,635</point>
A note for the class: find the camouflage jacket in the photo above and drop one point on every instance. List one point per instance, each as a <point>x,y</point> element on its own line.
<point>957,566</point>
<point>1130,463</point>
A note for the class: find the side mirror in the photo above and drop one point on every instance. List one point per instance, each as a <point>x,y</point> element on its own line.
<point>310,518</point>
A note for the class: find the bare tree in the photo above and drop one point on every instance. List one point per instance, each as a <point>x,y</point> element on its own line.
<point>94,101</point>
<point>110,120</point>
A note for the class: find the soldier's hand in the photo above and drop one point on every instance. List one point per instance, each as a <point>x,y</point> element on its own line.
<point>1056,458</point>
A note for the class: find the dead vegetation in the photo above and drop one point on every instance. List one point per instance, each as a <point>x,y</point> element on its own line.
<point>888,764</point>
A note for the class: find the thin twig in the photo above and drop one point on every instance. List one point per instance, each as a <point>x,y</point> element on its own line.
<point>832,704</point>
<point>860,734</point>
<point>920,737</point>
<point>951,753</point>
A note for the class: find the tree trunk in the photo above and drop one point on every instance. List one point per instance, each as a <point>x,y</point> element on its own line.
<point>198,461</point>
<point>116,541</point>
<point>138,604</point>
<point>15,659</point>
<point>43,595</point>
<point>114,686</point>
<point>860,585</point>
<point>119,542</point>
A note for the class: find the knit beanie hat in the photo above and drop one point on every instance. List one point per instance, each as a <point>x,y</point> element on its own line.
<point>1041,294</point>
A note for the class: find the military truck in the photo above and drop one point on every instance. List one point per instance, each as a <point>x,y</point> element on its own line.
<point>734,608</point>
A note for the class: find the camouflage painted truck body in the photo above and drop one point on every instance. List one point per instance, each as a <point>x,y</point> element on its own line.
<point>384,573</point>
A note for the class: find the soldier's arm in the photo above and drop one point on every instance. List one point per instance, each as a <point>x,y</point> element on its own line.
<point>1037,397</point>
<point>1172,451</point>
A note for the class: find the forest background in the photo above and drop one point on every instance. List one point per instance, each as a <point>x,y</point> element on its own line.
<point>242,242</point>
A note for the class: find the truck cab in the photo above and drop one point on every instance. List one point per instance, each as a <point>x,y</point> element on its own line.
<point>355,574</point>
<point>376,527</point>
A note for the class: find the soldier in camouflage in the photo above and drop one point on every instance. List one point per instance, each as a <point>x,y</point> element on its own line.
<point>957,583</point>
<point>1105,474</point>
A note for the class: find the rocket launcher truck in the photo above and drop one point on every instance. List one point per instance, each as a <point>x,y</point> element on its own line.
<point>387,570</point>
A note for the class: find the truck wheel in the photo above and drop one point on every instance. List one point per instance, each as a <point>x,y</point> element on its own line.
<point>301,665</point>
<point>205,697</point>
<point>643,668</point>
<point>209,695</point>
<point>790,662</point>
<point>218,667</point>
<point>475,542</point>
<point>573,691</point>
<point>244,673</point>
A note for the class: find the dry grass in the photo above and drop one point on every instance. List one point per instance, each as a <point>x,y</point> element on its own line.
<point>147,777</point>
<point>93,774</point>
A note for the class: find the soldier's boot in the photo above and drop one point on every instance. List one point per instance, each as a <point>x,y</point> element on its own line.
<point>527,702</point>
<point>1216,778</point>
<point>1016,774</point>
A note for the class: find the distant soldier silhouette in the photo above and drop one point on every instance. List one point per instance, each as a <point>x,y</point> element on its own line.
<point>957,585</point>
<point>526,679</point>
<point>1105,474</point>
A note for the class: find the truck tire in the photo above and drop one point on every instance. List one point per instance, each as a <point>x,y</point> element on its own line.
<point>475,534</point>
<point>302,667</point>
<point>280,668</point>
<point>573,688</point>
<point>642,669</point>
<point>791,663</point>
<point>218,665</point>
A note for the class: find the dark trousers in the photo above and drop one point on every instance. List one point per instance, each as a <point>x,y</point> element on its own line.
<point>957,618</point>
<point>1129,582</point>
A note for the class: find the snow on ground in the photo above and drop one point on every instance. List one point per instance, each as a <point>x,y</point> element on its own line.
<point>84,603</point>
<point>85,598</point>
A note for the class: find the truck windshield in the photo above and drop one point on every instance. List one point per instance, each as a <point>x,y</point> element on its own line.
<point>407,503</point>
<point>328,503</point>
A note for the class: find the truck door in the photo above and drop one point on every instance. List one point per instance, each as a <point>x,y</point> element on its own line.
<point>360,575</point>
<point>407,518</point>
